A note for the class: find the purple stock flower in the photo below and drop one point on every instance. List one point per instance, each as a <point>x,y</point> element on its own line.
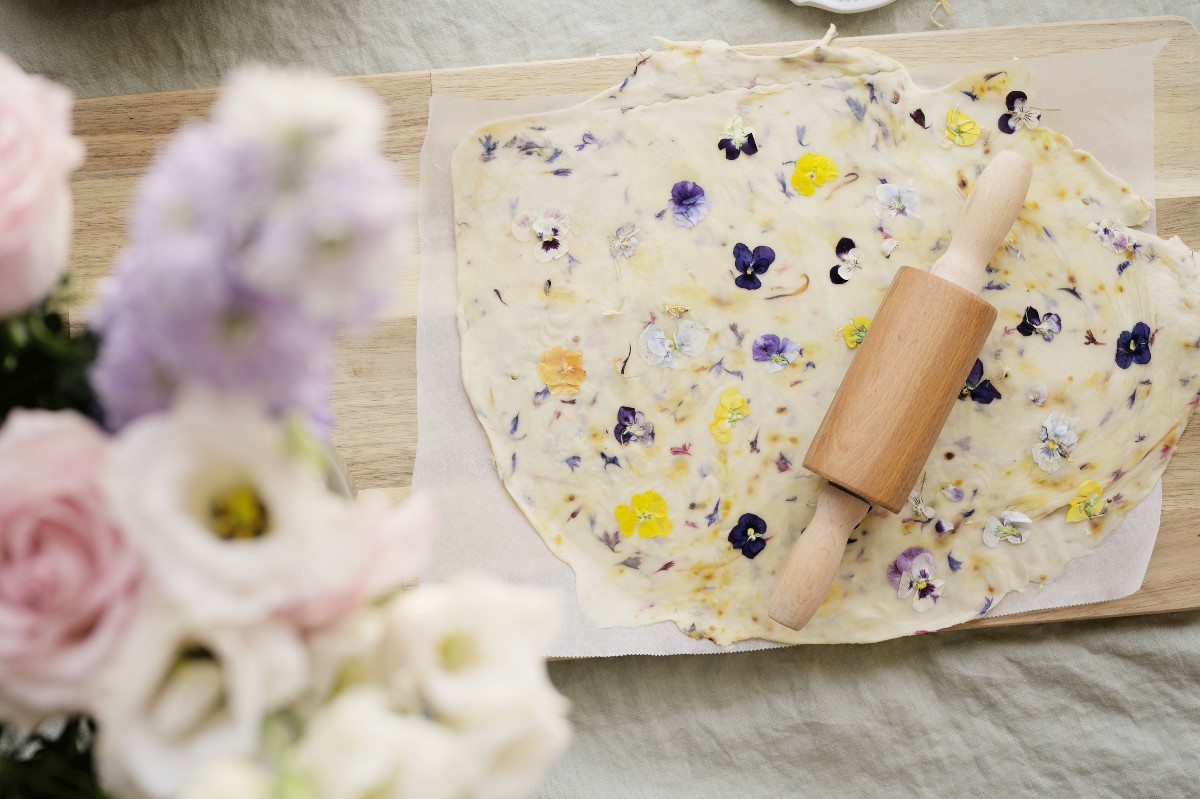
<point>1045,325</point>
<point>632,426</point>
<point>748,535</point>
<point>749,264</point>
<point>688,204</point>
<point>978,389</point>
<point>1133,346</point>
<point>775,353</point>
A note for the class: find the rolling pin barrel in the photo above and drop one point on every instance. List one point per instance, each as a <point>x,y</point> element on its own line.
<point>899,389</point>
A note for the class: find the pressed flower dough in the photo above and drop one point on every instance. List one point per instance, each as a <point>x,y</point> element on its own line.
<point>568,236</point>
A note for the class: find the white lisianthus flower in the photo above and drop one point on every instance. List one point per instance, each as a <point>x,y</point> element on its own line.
<point>473,649</point>
<point>230,778</point>
<point>177,695</point>
<point>232,525</point>
<point>347,653</point>
<point>514,753</point>
<point>356,747</point>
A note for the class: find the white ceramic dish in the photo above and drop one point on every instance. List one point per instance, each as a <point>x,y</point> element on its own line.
<point>844,6</point>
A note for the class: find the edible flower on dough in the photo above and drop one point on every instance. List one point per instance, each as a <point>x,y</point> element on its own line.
<point>688,203</point>
<point>892,200</point>
<point>1012,526</point>
<point>1046,325</point>
<point>1056,441</point>
<point>748,535</point>
<point>647,517</point>
<point>813,170</point>
<point>632,426</point>
<point>561,370</point>
<point>1019,113</point>
<point>960,128</point>
<point>624,241</point>
<point>911,574</point>
<point>1133,346</point>
<point>978,389</point>
<point>855,332</point>
<point>738,139</point>
<point>749,264</point>
<point>848,256</point>
<point>774,353</point>
<point>548,230</point>
<point>657,349</point>
<point>731,409</point>
<point>1089,504</point>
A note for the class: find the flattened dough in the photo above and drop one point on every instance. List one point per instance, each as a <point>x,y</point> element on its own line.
<point>620,356</point>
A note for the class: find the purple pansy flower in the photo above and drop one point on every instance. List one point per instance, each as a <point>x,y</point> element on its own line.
<point>774,353</point>
<point>748,535</point>
<point>1133,346</point>
<point>749,264</point>
<point>688,204</point>
<point>1045,325</point>
<point>738,139</point>
<point>911,574</point>
<point>1019,113</point>
<point>848,256</point>
<point>978,389</point>
<point>632,426</point>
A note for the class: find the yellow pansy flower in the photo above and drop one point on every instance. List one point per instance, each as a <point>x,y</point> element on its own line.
<point>1089,504</point>
<point>857,331</point>
<point>647,517</point>
<point>812,170</point>
<point>960,128</point>
<point>731,409</point>
<point>561,370</point>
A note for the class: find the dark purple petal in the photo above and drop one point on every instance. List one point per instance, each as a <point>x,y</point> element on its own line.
<point>749,282</point>
<point>976,376</point>
<point>626,415</point>
<point>985,393</point>
<point>1005,124</point>
<point>751,548</point>
<point>731,149</point>
<point>902,564</point>
<point>836,277</point>
<point>764,256</point>
<point>742,258</point>
<point>765,346</point>
<point>1141,333</point>
<point>918,116</point>
<point>844,246</point>
<point>1030,322</point>
<point>1013,98</point>
<point>749,146</point>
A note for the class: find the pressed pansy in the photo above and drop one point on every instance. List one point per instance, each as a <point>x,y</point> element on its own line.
<point>1037,393</point>
<point>749,264</point>
<point>657,349</point>
<point>977,388</point>
<point>1019,113</point>
<point>856,331</point>
<point>1012,526</point>
<point>1089,504</point>
<point>1114,236</point>
<point>1046,325</point>
<point>748,535</point>
<point>738,139</point>
<point>645,515</point>
<point>688,203</point>
<point>1056,441</point>
<point>892,200</point>
<point>960,128</point>
<point>561,370</point>
<point>1133,346</point>
<point>547,230</point>
<point>632,426</point>
<point>731,409</point>
<point>775,353</point>
<point>848,256</point>
<point>813,170</point>
<point>911,574</point>
<point>624,241</point>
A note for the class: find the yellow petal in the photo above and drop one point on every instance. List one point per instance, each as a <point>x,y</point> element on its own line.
<point>722,431</point>
<point>562,388</point>
<point>626,519</point>
<point>802,183</point>
<point>851,336</point>
<point>731,400</point>
<point>650,502</point>
<point>655,528</point>
<point>1077,513</point>
<point>1090,488</point>
<point>862,321</point>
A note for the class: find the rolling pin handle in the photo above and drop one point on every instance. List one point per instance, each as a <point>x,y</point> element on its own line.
<point>813,561</point>
<point>986,220</point>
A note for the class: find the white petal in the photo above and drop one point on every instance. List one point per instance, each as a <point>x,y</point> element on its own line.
<point>1014,518</point>
<point>692,338</point>
<point>653,347</point>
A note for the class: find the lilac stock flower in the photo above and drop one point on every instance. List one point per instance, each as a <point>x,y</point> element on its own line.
<point>749,264</point>
<point>632,426</point>
<point>775,353</point>
<point>688,204</point>
<point>978,389</point>
<point>1133,346</point>
<point>1045,325</point>
<point>748,535</point>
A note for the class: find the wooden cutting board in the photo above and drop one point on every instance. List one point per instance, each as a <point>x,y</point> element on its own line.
<point>375,390</point>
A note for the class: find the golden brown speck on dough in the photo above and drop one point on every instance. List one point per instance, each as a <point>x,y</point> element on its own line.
<point>1124,189</point>
<point>1121,288</point>
<point>949,456</point>
<point>773,437</point>
<point>753,617</point>
<point>781,409</point>
<point>1043,578</point>
<point>570,498</point>
<point>1062,194</point>
<point>794,440</point>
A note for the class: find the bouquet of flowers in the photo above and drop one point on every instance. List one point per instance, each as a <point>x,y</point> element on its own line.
<point>186,608</point>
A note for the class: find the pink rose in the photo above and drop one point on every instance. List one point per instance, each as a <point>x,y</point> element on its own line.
<point>37,155</point>
<point>68,580</point>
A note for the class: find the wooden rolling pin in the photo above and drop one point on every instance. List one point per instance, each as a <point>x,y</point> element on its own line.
<point>901,385</point>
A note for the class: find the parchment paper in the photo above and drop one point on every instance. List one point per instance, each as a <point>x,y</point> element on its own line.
<point>1103,101</point>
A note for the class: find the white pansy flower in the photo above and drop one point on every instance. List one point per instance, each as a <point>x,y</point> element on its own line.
<point>1036,393</point>
<point>624,241</point>
<point>892,200</point>
<point>657,349</point>
<point>176,696</point>
<point>548,231</point>
<point>230,778</point>
<point>1012,526</point>
<point>232,526</point>
<point>357,747</point>
<point>1056,441</point>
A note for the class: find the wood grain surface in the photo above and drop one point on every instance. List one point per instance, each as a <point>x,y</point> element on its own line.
<point>375,386</point>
